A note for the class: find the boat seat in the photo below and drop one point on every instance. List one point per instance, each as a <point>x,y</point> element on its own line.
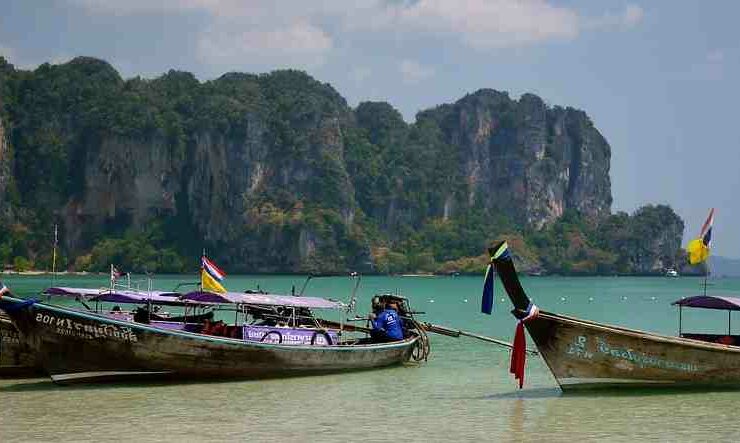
<point>733,340</point>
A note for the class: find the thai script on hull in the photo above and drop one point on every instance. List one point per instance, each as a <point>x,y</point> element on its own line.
<point>87,330</point>
<point>579,349</point>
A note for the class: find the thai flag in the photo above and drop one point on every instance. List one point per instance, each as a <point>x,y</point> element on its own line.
<point>706,229</point>
<point>212,270</point>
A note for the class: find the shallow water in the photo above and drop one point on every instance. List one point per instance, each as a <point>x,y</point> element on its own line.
<point>463,392</point>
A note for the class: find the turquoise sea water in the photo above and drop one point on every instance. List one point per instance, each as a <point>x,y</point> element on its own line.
<point>463,392</point>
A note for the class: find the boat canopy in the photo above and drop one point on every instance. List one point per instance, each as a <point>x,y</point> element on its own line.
<point>710,302</point>
<point>263,299</point>
<point>118,296</point>
<point>194,298</point>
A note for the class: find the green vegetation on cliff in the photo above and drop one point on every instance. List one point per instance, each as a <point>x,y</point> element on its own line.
<point>276,173</point>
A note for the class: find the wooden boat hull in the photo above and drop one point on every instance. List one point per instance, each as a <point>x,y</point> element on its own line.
<point>588,355</point>
<point>16,358</point>
<point>77,346</point>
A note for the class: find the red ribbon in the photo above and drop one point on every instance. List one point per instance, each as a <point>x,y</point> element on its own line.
<point>519,349</point>
<point>519,354</point>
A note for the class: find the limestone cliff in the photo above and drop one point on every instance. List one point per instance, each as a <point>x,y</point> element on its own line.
<point>275,172</point>
<point>5,172</point>
<point>125,183</point>
<point>526,159</point>
<point>233,180</point>
<point>656,239</point>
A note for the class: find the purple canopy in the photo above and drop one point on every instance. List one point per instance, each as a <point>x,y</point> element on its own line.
<point>197,297</point>
<point>710,302</point>
<point>118,296</point>
<point>263,299</point>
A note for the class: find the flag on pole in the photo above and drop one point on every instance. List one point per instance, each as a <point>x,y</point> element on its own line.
<point>706,230</point>
<point>698,249</point>
<point>211,276</point>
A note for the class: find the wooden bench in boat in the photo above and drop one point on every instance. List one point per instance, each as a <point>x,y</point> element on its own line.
<point>724,339</point>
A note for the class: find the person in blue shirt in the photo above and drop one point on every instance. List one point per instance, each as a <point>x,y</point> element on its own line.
<point>387,326</point>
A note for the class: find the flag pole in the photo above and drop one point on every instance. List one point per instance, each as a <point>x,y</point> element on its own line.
<point>706,238</point>
<point>706,275</point>
<point>54,255</point>
<point>200,274</point>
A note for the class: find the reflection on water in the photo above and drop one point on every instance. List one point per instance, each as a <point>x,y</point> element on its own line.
<point>463,392</point>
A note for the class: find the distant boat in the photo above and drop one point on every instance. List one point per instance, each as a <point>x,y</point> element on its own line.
<point>583,354</point>
<point>670,272</point>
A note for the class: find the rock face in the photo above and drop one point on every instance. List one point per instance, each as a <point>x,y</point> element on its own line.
<point>5,172</point>
<point>657,232</point>
<point>646,242</point>
<point>126,183</point>
<point>275,172</point>
<point>525,159</point>
<point>233,186</point>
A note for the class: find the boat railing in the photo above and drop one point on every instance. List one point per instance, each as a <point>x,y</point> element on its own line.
<point>131,285</point>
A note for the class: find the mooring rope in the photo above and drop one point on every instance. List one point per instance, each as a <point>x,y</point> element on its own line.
<point>422,345</point>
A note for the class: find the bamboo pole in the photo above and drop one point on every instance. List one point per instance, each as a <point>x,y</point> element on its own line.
<point>437,329</point>
<point>442,330</point>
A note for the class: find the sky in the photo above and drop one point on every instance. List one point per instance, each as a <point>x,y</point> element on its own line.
<point>658,78</point>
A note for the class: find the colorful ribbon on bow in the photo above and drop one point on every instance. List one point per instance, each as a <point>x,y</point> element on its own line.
<point>519,350</point>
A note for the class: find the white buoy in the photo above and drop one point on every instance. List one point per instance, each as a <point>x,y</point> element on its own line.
<point>590,299</point>
<point>465,300</point>
<point>562,298</point>
<point>431,300</point>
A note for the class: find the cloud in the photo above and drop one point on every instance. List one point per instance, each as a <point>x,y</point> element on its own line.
<point>633,15</point>
<point>629,18</point>
<point>359,74</point>
<point>215,8</point>
<point>25,63</point>
<point>134,7</point>
<point>7,52</point>
<point>487,24</point>
<point>713,67</point>
<point>414,72</point>
<point>295,44</point>
<point>490,23</point>
<point>272,27</point>
<point>716,57</point>
<point>240,34</point>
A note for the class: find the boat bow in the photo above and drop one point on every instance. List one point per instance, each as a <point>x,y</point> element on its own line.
<point>583,354</point>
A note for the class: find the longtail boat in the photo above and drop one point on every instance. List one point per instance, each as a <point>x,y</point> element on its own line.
<point>16,358</point>
<point>278,336</point>
<point>583,354</point>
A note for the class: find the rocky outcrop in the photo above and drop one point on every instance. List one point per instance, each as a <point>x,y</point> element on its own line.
<point>276,172</point>
<point>126,183</point>
<point>657,232</point>
<point>525,159</point>
<point>5,172</point>
<point>233,183</point>
<point>646,242</point>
